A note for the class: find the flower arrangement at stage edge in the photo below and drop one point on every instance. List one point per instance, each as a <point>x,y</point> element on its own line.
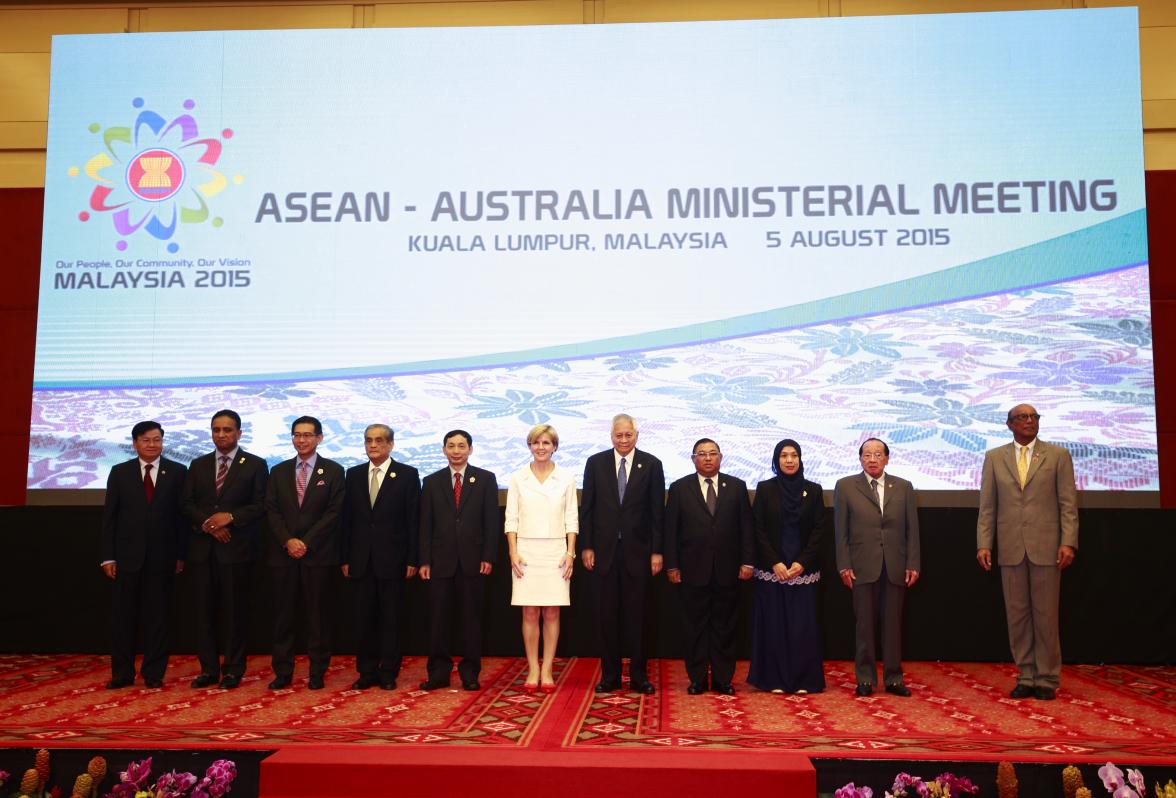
<point>133,782</point>
<point>1112,779</point>
<point>852,791</point>
<point>1071,781</point>
<point>1006,781</point>
<point>945,785</point>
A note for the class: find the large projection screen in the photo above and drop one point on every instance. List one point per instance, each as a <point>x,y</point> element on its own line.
<point>818,229</point>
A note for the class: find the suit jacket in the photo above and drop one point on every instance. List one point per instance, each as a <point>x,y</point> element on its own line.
<point>243,495</point>
<point>769,521</point>
<point>865,535</point>
<point>315,523</point>
<point>1032,522</point>
<point>469,533</point>
<point>383,537</point>
<point>140,536</point>
<point>700,544</point>
<point>638,519</point>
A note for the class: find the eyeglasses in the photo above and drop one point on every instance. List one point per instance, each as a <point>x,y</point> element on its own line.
<point>705,455</point>
<point>1026,417</point>
<point>298,435</point>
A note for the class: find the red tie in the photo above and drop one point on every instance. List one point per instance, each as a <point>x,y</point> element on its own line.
<point>457,489</point>
<point>148,485</point>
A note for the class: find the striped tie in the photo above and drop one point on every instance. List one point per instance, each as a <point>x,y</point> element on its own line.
<point>221,472</point>
<point>300,482</point>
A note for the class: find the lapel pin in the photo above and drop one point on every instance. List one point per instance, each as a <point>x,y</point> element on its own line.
<point>319,471</point>
<point>724,484</point>
<point>472,480</point>
<point>392,474</point>
<point>242,460</point>
<point>639,465</point>
<point>803,493</point>
<point>163,470</point>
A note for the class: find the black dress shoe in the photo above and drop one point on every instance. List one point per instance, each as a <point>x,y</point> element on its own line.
<point>230,682</point>
<point>153,684</point>
<point>646,687</point>
<point>608,687</point>
<point>471,686</point>
<point>315,683</point>
<point>696,688</point>
<point>1021,691</point>
<point>365,681</point>
<point>204,680</point>
<point>725,689</point>
<point>898,689</point>
<point>1044,693</point>
<point>279,683</point>
<point>118,684</point>
<point>433,684</point>
<point>387,684</point>
<point>864,690</point>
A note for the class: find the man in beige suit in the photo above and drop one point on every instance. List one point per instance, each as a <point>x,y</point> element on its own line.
<point>1029,502</point>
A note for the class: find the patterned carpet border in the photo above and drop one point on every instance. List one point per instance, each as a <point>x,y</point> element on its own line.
<point>959,711</point>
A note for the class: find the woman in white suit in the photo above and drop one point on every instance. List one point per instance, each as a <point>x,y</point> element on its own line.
<point>542,521</point>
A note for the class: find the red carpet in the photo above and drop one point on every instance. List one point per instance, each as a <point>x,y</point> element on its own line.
<point>959,711</point>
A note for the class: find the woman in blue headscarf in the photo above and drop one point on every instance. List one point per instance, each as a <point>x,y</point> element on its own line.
<point>785,640</point>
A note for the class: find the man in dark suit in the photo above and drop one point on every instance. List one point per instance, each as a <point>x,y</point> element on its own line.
<point>876,529</point>
<point>381,529</point>
<point>303,503</point>
<point>224,503</point>
<point>709,548</point>
<point>144,539</point>
<point>622,507</point>
<point>460,534</point>
<point>1029,506</point>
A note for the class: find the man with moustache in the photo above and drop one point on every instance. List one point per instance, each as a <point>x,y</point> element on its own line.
<point>1029,506</point>
<point>622,506</point>
<point>143,544</point>
<point>381,531</point>
<point>303,503</point>
<point>224,503</point>
<point>876,532</point>
<point>709,549</point>
<point>459,537</point>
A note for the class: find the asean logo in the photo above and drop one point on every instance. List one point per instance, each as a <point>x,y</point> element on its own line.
<point>155,175</point>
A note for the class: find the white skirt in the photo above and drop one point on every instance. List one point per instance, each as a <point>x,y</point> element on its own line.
<point>542,584</point>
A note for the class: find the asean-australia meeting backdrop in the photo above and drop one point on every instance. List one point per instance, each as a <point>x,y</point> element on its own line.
<point>819,229</point>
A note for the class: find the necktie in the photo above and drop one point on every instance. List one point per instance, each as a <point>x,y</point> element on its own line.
<point>1023,465</point>
<point>148,485</point>
<point>712,499</point>
<point>622,480</point>
<point>300,481</point>
<point>374,486</point>
<point>221,471</point>
<point>457,489</point>
<point>874,487</point>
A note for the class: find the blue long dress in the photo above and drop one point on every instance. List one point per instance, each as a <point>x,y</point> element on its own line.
<point>786,641</point>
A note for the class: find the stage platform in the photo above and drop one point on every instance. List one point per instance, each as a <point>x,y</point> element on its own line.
<point>451,741</point>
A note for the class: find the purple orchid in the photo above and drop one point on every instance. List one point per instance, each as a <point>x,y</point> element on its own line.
<point>174,784</point>
<point>136,772</point>
<point>1136,779</point>
<point>1112,777</point>
<point>957,785</point>
<point>907,785</point>
<point>852,791</point>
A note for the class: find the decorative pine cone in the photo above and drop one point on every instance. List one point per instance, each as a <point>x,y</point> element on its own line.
<point>97,770</point>
<point>1071,781</point>
<point>31,782</point>
<point>1006,780</point>
<point>83,784</point>
<point>1083,792</point>
<point>43,766</point>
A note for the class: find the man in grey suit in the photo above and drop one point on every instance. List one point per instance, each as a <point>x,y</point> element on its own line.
<point>876,529</point>
<point>1028,501</point>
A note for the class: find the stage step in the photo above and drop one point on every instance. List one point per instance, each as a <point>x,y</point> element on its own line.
<point>296,772</point>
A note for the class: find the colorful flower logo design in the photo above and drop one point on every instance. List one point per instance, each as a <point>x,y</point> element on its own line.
<point>167,175</point>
